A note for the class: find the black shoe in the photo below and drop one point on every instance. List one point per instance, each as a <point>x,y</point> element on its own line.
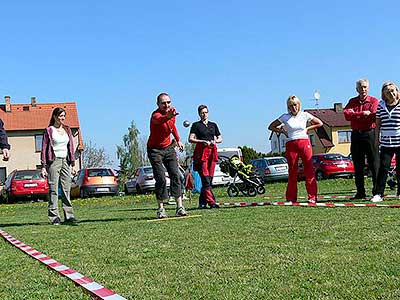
<point>202,206</point>
<point>56,221</point>
<point>359,197</point>
<point>71,221</point>
<point>215,205</point>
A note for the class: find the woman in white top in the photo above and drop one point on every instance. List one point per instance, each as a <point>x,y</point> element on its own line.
<point>387,135</point>
<point>57,158</point>
<point>298,145</point>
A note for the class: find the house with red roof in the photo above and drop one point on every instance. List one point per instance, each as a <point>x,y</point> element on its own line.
<point>24,125</point>
<point>333,137</point>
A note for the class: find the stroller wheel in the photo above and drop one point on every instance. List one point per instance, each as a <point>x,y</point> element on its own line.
<point>233,191</point>
<point>260,189</point>
<point>251,192</point>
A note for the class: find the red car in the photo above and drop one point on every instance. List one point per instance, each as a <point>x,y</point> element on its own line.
<point>328,165</point>
<point>28,184</point>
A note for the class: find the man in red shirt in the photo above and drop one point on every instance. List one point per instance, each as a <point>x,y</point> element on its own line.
<point>361,112</point>
<point>161,152</point>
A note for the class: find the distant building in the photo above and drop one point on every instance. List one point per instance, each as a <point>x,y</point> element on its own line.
<point>278,142</point>
<point>25,123</point>
<point>333,137</point>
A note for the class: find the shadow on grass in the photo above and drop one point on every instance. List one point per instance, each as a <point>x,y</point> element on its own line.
<point>338,193</point>
<point>81,221</point>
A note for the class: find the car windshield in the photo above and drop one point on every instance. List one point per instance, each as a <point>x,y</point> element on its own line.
<point>27,175</point>
<point>99,172</point>
<point>334,157</point>
<point>275,161</point>
<point>148,170</point>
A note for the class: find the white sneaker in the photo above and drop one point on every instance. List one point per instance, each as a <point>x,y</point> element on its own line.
<point>161,213</point>
<point>376,198</point>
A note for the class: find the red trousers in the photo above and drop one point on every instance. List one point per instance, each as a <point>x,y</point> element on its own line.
<point>295,149</point>
<point>205,161</point>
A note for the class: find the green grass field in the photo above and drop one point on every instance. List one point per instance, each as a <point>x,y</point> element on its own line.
<point>264,252</point>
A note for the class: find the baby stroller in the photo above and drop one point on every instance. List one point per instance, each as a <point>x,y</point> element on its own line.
<point>251,184</point>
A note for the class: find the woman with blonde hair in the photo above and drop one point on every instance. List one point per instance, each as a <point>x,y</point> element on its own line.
<point>295,128</point>
<point>387,135</point>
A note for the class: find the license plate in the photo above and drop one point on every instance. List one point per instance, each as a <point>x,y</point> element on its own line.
<point>342,166</point>
<point>103,189</point>
<point>30,185</point>
<point>280,168</point>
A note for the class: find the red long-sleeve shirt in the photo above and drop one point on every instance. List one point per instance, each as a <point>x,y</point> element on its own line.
<point>357,119</point>
<point>161,128</point>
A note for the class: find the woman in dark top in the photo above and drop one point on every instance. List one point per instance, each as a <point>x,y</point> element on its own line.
<point>205,134</point>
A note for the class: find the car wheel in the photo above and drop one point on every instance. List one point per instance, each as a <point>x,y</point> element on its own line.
<point>126,190</point>
<point>319,175</point>
<point>260,189</point>
<point>82,193</point>
<point>10,199</point>
<point>233,191</point>
<point>138,189</point>
<point>251,191</point>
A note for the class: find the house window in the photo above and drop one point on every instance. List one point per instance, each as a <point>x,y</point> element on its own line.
<point>3,173</point>
<point>312,140</point>
<point>38,142</point>
<point>344,136</point>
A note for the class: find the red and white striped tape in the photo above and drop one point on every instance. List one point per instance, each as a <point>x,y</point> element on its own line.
<point>85,282</point>
<point>243,204</point>
<point>326,197</point>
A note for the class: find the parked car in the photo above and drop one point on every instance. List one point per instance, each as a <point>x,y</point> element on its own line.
<point>25,184</point>
<point>367,171</point>
<point>271,168</point>
<point>94,182</point>
<point>327,165</point>
<point>142,181</point>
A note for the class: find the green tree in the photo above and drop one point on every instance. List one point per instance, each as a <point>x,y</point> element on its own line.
<point>94,156</point>
<point>249,154</point>
<point>131,153</point>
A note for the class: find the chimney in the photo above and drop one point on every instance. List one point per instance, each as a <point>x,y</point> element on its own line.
<point>33,101</point>
<point>338,107</point>
<point>8,103</point>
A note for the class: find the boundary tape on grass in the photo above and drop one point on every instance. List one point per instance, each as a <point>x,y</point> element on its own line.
<point>243,204</point>
<point>97,290</point>
<point>324,197</point>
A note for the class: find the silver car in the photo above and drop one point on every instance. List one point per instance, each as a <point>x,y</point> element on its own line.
<point>142,181</point>
<point>271,168</point>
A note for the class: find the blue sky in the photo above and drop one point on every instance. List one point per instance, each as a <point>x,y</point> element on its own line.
<point>241,58</point>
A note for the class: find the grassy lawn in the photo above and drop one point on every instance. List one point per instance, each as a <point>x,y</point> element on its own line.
<point>231,253</point>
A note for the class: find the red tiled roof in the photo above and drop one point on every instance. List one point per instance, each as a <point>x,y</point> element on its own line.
<point>36,117</point>
<point>330,117</point>
<point>28,117</point>
<point>324,138</point>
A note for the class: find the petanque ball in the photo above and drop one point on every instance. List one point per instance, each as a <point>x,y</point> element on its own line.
<point>186,123</point>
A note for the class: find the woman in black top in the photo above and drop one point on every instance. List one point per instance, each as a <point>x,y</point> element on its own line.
<point>205,134</point>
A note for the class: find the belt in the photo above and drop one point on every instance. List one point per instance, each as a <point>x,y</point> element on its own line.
<point>363,130</point>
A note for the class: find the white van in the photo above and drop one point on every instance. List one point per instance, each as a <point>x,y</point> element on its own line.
<point>221,178</point>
